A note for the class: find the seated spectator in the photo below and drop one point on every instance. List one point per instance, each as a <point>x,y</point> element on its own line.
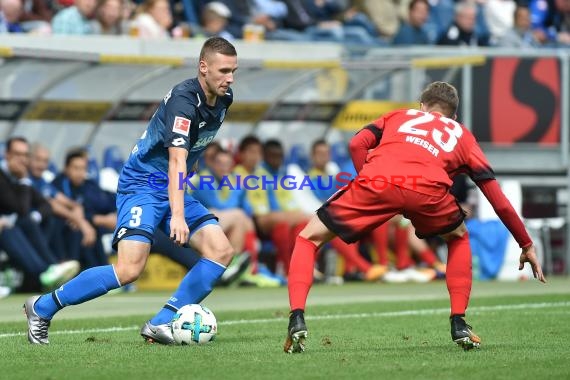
<point>550,20</point>
<point>314,21</point>
<point>239,16</point>
<point>283,203</point>
<point>353,15</point>
<point>24,241</point>
<point>10,16</point>
<point>271,223</point>
<point>335,21</point>
<point>499,17</point>
<point>462,31</point>
<point>36,10</point>
<point>411,32</point>
<point>215,16</point>
<point>521,34</point>
<point>66,211</point>
<point>270,14</point>
<point>440,17</point>
<point>354,262</point>
<point>109,18</point>
<point>267,15</point>
<point>36,17</point>
<point>191,12</point>
<point>407,247</point>
<point>74,19</point>
<point>153,19</point>
<point>229,203</point>
<point>562,22</point>
<point>384,15</point>
<point>321,158</point>
<point>98,205</point>
<point>207,159</point>
<point>42,273</point>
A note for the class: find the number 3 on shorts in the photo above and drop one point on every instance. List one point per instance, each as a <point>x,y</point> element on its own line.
<point>136,213</point>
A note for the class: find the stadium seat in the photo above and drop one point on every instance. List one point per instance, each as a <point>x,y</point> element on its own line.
<point>298,155</point>
<point>339,153</point>
<point>112,158</point>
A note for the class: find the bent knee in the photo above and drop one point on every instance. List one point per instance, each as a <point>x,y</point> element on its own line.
<point>316,232</point>
<point>222,254</point>
<point>127,274</point>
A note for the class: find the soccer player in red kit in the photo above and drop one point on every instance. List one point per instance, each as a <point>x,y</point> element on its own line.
<point>405,162</point>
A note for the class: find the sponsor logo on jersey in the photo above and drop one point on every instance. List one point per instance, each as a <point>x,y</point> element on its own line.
<point>202,124</point>
<point>121,232</point>
<point>178,141</point>
<point>202,142</point>
<point>181,126</point>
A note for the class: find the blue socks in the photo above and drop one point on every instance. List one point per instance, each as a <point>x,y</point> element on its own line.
<point>89,284</point>
<point>195,286</point>
<point>95,282</point>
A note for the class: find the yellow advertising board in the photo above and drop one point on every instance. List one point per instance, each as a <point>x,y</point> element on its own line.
<point>160,273</point>
<point>247,112</point>
<point>357,114</point>
<point>68,110</point>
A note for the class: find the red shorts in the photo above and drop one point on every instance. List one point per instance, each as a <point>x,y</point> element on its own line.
<point>353,212</point>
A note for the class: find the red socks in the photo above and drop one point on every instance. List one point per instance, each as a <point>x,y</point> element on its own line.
<point>403,259</point>
<point>281,238</point>
<point>351,255</point>
<point>458,275</point>
<point>301,272</point>
<point>250,245</point>
<point>427,256</point>
<point>380,240</point>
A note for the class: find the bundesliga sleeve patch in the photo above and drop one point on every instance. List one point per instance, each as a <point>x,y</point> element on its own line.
<point>181,126</point>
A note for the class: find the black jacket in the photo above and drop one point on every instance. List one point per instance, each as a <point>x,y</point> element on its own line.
<point>20,199</point>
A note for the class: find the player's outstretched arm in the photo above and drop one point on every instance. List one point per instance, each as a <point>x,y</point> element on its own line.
<point>528,255</point>
<point>176,174</point>
<point>509,217</point>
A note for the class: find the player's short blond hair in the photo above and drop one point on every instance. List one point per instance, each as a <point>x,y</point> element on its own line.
<point>443,95</point>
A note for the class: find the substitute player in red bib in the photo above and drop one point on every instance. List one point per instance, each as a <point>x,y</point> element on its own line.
<point>406,161</point>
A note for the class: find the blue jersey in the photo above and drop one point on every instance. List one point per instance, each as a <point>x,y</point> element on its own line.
<point>44,187</point>
<point>184,120</point>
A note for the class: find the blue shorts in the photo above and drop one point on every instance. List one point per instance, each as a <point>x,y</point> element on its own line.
<point>139,215</point>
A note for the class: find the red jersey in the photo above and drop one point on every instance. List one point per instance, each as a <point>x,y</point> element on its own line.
<point>423,151</point>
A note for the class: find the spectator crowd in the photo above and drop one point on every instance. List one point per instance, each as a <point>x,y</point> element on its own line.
<point>503,23</point>
<point>53,224</point>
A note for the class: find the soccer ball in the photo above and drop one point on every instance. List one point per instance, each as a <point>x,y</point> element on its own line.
<point>194,324</point>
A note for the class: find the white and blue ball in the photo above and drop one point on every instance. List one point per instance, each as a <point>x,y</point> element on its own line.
<point>194,324</point>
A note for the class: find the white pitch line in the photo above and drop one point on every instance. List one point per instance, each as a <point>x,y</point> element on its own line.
<point>476,309</point>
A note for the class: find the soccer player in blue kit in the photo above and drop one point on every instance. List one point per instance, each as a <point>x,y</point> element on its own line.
<point>187,119</point>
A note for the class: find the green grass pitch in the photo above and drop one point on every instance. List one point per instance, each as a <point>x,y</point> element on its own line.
<point>356,331</point>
